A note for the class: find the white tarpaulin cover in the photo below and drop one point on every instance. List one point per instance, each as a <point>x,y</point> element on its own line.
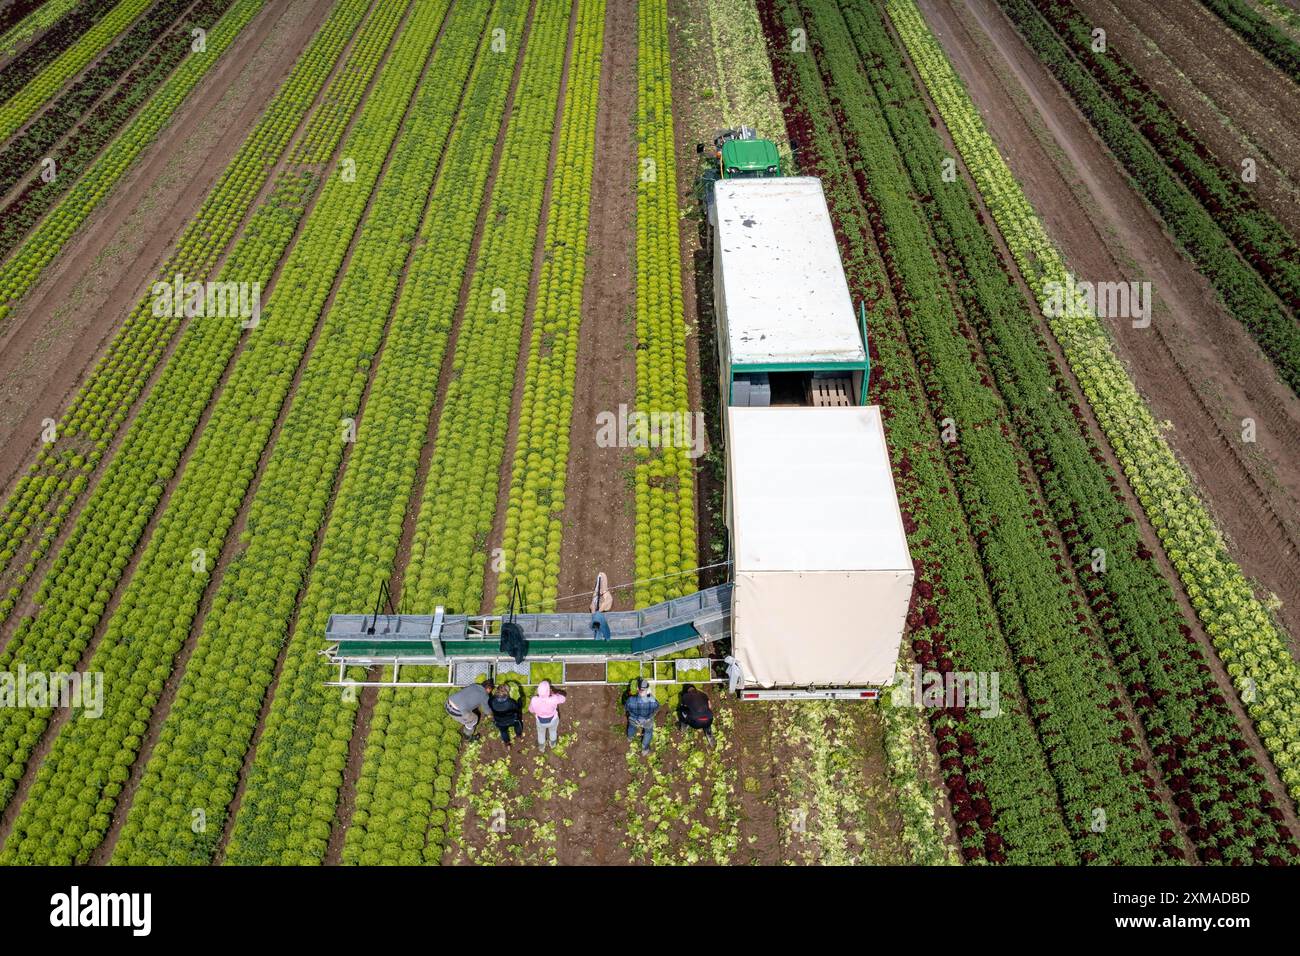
<point>823,575</point>
<point>782,294</point>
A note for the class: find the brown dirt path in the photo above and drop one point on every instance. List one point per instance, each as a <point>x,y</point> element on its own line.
<point>1232,121</point>
<point>60,329</point>
<point>599,514</point>
<point>1196,365</point>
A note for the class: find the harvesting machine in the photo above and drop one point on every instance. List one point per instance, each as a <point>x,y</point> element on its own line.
<point>820,576</point>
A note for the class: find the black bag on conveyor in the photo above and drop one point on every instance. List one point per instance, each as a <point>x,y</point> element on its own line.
<point>513,641</point>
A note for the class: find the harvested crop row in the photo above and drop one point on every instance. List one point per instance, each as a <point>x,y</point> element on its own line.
<point>747,94</point>
<point>253,605</point>
<point>45,495</point>
<point>665,476</point>
<point>136,653</point>
<point>1192,732</point>
<point>1249,643</point>
<point>291,784</point>
<point>137,65</point>
<point>744,75</point>
<point>1003,795</point>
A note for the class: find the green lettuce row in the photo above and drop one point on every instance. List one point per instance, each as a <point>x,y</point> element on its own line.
<point>1081,729</point>
<point>28,101</point>
<point>1251,646</point>
<point>1002,790</point>
<point>252,607</point>
<point>46,494</point>
<point>534,524</point>
<point>1206,210</point>
<point>448,562</point>
<point>665,477</point>
<point>1134,606</point>
<point>85,767</point>
<point>291,783</point>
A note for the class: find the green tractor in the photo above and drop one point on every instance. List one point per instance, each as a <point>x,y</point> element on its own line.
<point>748,158</point>
<point>740,153</point>
<point>737,154</point>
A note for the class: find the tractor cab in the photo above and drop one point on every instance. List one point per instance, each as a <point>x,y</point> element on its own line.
<point>749,158</point>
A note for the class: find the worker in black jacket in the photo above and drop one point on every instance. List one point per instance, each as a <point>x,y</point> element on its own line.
<point>693,711</point>
<point>506,713</point>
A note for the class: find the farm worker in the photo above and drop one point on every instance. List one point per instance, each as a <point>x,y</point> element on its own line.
<point>465,704</point>
<point>735,676</point>
<point>545,706</point>
<point>641,708</point>
<point>693,711</point>
<point>602,599</point>
<point>506,713</point>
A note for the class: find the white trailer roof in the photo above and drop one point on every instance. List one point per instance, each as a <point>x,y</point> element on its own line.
<point>786,298</point>
<point>811,490</point>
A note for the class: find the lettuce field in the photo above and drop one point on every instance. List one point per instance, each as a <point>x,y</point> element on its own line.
<point>309,305</point>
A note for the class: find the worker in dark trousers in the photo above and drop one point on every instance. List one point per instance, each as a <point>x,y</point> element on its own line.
<point>506,713</point>
<point>465,705</point>
<point>693,711</point>
<point>641,708</point>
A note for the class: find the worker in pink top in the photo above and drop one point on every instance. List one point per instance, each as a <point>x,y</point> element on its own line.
<point>545,706</point>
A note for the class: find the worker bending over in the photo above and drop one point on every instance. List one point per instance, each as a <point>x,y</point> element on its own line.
<point>693,711</point>
<point>466,704</point>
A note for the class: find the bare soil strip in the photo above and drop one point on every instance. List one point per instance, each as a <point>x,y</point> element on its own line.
<point>1233,122</point>
<point>599,507</point>
<point>1196,366</point>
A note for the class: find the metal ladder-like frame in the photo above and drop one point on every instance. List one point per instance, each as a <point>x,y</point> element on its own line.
<point>460,673</point>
